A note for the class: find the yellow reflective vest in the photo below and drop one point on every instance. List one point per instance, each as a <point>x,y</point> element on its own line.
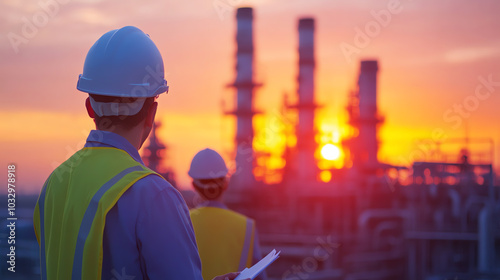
<point>70,213</point>
<point>225,240</point>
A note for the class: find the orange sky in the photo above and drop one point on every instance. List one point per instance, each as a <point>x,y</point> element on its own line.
<point>431,55</point>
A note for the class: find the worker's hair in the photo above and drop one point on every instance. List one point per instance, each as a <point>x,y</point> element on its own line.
<point>212,189</point>
<point>125,122</point>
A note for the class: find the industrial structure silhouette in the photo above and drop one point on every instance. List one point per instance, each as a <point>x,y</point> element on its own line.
<point>366,223</point>
<point>439,221</point>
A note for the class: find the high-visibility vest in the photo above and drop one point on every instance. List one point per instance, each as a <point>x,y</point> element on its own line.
<point>71,210</point>
<point>225,240</point>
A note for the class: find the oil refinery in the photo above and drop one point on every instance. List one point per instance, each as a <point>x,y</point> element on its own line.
<point>366,221</point>
<point>333,206</point>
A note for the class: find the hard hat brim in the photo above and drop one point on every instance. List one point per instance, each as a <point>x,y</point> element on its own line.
<point>131,90</point>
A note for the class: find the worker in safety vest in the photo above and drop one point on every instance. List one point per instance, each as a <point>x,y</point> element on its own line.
<point>102,214</point>
<point>227,241</point>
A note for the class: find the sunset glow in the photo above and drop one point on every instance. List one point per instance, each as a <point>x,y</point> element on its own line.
<point>330,152</point>
<point>427,69</point>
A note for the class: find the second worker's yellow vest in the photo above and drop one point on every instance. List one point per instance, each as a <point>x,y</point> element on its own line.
<point>225,240</point>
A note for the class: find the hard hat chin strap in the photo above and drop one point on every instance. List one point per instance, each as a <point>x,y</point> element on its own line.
<point>105,109</point>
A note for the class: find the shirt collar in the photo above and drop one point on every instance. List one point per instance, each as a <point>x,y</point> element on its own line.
<point>101,138</point>
<point>213,203</point>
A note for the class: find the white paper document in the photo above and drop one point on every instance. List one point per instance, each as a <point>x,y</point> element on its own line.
<point>255,270</point>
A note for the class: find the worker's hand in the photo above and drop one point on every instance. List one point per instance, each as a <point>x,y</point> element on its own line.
<point>229,276</point>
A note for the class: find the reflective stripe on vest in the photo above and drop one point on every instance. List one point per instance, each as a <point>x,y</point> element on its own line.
<point>88,219</point>
<point>41,203</point>
<point>246,245</point>
<point>71,210</point>
<point>225,240</point>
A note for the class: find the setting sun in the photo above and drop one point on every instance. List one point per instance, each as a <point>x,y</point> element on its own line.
<point>330,152</point>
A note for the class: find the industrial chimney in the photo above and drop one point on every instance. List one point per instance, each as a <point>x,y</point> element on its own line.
<point>244,112</point>
<point>368,115</point>
<point>306,145</point>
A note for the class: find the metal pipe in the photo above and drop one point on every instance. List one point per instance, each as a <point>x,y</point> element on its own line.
<point>455,202</point>
<point>384,227</point>
<point>368,215</point>
<point>468,203</point>
<point>486,241</point>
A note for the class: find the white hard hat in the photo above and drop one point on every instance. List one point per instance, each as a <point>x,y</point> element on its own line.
<point>124,62</point>
<point>207,164</point>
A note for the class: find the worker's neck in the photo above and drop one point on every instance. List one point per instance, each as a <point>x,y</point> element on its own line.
<point>134,136</point>
<point>215,201</point>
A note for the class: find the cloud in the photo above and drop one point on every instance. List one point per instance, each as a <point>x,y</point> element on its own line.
<point>93,16</point>
<point>470,54</point>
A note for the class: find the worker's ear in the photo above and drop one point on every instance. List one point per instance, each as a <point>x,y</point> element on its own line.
<point>150,118</point>
<point>90,111</point>
<point>225,184</point>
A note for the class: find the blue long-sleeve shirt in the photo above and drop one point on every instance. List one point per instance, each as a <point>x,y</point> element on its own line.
<point>148,233</point>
